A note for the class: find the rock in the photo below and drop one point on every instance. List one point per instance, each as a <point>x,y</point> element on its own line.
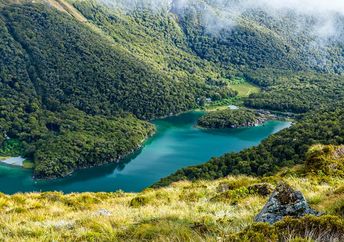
<point>224,187</point>
<point>339,152</point>
<point>103,212</point>
<point>263,189</point>
<point>284,201</point>
<point>59,224</point>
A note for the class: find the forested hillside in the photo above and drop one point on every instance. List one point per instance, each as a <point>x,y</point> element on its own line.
<point>260,36</point>
<point>56,71</point>
<point>286,148</point>
<point>122,61</point>
<point>69,64</point>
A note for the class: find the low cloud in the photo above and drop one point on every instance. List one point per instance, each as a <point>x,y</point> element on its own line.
<point>324,19</point>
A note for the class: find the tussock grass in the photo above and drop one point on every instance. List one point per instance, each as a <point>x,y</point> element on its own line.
<point>185,211</point>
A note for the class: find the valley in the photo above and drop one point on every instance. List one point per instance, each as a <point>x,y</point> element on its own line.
<point>149,120</point>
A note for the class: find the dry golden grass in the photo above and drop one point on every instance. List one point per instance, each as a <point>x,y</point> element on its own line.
<point>184,211</point>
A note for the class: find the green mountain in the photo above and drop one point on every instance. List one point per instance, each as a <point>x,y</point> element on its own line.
<point>58,71</point>
<point>81,79</point>
<point>65,64</point>
<point>260,36</point>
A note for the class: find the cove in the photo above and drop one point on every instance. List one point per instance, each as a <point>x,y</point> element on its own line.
<point>176,144</point>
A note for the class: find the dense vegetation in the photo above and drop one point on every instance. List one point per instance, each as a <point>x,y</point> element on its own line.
<point>61,142</point>
<point>11,147</point>
<point>65,88</point>
<point>75,82</point>
<point>297,93</point>
<point>69,64</point>
<point>255,38</point>
<point>75,141</point>
<point>230,119</point>
<point>221,210</point>
<point>103,62</point>
<point>285,148</point>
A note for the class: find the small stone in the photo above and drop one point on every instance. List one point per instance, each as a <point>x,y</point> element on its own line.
<point>284,201</point>
<point>59,224</point>
<point>103,212</point>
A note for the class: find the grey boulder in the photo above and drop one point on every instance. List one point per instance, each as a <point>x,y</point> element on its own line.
<point>284,201</point>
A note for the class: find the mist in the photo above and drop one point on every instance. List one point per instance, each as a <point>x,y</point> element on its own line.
<point>322,19</point>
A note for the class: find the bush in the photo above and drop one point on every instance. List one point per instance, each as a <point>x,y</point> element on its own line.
<point>325,160</point>
<point>139,201</point>
<point>324,228</point>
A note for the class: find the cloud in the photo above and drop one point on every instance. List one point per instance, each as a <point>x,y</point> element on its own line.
<point>321,18</point>
<point>303,6</point>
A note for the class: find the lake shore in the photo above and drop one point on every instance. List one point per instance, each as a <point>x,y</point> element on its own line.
<point>13,161</point>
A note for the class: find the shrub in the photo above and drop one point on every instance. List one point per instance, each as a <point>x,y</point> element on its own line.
<point>325,160</point>
<point>232,196</point>
<point>258,232</point>
<point>338,207</point>
<point>139,201</point>
<point>324,228</point>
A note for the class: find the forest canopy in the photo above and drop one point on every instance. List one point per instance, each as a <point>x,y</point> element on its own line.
<point>71,63</point>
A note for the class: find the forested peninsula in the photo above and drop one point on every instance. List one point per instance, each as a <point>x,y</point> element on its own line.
<point>232,119</point>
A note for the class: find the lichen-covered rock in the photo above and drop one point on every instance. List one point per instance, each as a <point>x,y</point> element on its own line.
<point>284,201</point>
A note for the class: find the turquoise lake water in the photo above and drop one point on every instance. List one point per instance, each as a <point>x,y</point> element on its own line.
<point>177,143</point>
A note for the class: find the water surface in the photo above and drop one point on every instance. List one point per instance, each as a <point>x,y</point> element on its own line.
<point>177,143</point>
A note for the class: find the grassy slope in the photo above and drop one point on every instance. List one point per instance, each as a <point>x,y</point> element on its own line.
<point>184,211</point>
<point>244,89</point>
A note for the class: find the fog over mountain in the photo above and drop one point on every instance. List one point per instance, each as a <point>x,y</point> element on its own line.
<point>324,19</point>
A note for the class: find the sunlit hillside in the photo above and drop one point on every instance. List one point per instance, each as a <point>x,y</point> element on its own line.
<point>221,210</point>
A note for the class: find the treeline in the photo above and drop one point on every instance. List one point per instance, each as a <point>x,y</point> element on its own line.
<point>297,93</point>
<point>286,148</point>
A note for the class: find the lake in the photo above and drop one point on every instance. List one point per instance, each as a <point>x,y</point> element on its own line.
<point>177,143</point>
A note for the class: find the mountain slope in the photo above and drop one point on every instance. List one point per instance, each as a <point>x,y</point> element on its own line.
<point>53,66</point>
<point>260,36</point>
<point>284,149</point>
<point>75,66</point>
<point>200,211</point>
<point>103,62</point>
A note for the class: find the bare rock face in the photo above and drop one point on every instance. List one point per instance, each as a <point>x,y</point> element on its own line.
<point>284,201</point>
